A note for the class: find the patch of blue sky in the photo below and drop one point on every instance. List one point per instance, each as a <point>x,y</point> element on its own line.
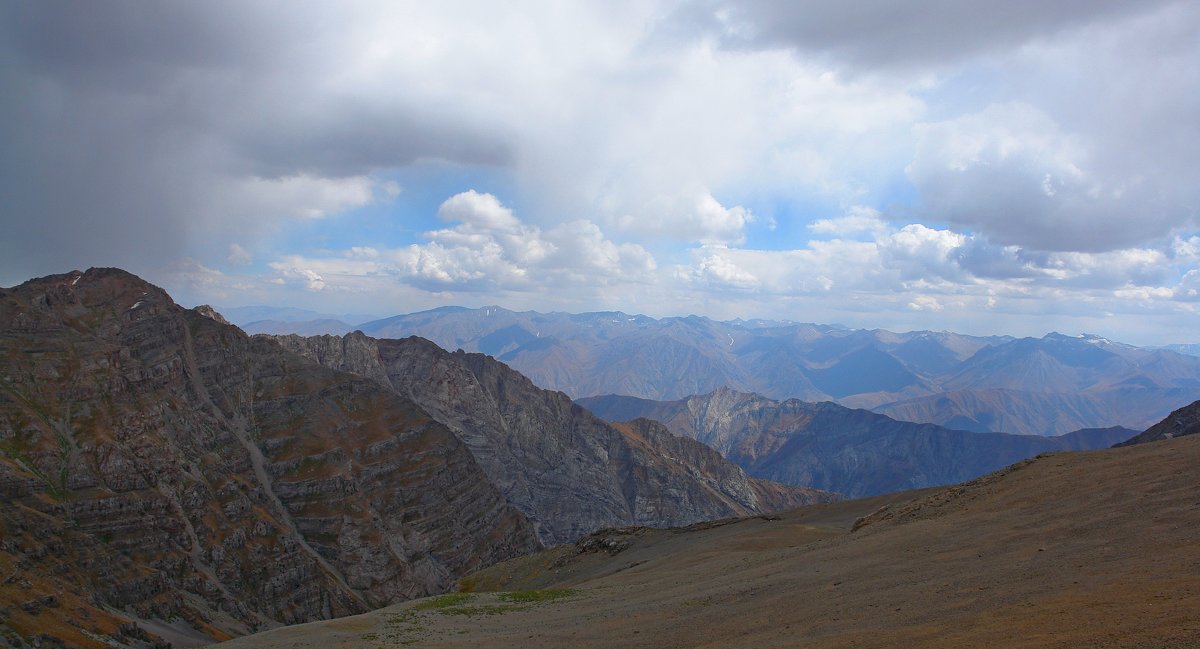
<point>392,222</point>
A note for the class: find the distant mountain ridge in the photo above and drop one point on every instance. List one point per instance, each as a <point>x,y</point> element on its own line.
<point>1191,349</point>
<point>855,452</point>
<point>1044,386</point>
<point>302,328</point>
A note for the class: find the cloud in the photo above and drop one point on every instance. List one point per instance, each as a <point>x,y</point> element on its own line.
<point>1189,287</point>
<point>894,33</point>
<point>290,273</point>
<point>703,219</point>
<point>925,303</point>
<point>138,133</point>
<point>580,248</point>
<point>478,211</point>
<point>1011,173</point>
<point>718,270</point>
<point>683,155</point>
<point>860,219</point>
<point>300,196</point>
<point>928,264</point>
<point>487,249</point>
<point>238,256</point>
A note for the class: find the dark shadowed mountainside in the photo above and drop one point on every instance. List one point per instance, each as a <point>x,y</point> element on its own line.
<point>166,477</point>
<point>855,452</point>
<point>568,471</point>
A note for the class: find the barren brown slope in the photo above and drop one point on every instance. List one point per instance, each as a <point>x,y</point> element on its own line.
<point>1095,549</point>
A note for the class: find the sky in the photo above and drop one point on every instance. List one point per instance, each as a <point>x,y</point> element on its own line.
<point>985,167</point>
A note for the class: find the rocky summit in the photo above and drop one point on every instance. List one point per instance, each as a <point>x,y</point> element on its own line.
<point>166,479</point>
<point>568,471</point>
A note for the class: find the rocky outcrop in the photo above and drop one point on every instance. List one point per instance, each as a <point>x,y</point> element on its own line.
<point>566,470</point>
<point>1185,421</point>
<point>722,478</point>
<point>156,464</point>
<point>827,446</point>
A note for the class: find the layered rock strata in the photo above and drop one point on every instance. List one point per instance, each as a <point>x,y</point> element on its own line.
<point>568,471</point>
<point>164,475</point>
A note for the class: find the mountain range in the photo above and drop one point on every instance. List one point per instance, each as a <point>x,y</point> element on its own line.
<point>168,479</point>
<point>852,451</point>
<point>568,471</point>
<point>1044,386</point>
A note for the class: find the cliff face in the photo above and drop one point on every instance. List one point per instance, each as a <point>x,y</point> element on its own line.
<point>158,462</point>
<point>567,470</point>
<point>720,477</point>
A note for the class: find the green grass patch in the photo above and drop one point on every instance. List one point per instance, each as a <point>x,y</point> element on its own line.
<point>485,609</point>
<point>536,596</point>
<point>444,601</point>
<point>517,600</point>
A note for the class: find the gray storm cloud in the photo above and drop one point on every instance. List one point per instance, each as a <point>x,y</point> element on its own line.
<point>897,33</point>
<point>136,126</point>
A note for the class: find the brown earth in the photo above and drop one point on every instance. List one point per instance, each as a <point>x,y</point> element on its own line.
<point>1095,549</point>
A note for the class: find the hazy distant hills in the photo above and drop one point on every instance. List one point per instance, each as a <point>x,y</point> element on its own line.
<point>1190,350</point>
<point>283,320</point>
<point>670,358</point>
<point>828,446</point>
<point>1045,386</point>
<point>302,328</point>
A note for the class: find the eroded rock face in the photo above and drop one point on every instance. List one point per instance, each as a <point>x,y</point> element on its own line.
<point>565,469</point>
<point>158,461</point>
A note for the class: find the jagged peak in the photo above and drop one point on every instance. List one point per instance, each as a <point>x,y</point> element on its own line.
<point>207,311</point>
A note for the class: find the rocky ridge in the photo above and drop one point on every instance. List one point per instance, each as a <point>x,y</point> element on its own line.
<point>166,478</point>
<point>828,446</point>
<point>568,471</point>
<point>1182,422</point>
